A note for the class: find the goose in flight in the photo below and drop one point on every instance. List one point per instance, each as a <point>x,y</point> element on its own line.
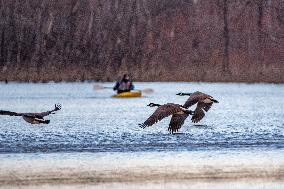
<point>179,115</point>
<point>204,103</point>
<point>33,118</point>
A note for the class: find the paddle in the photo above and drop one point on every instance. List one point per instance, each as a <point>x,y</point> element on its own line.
<point>98,87</point>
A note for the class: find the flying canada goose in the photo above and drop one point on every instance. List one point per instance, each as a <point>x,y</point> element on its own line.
<point>33,118</point>
<point>204,103</point>
<point>179,114</point>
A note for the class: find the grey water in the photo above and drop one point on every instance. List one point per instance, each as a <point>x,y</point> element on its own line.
<point>248,117</point>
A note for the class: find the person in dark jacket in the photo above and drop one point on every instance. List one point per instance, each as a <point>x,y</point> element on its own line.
<point>125,85</point>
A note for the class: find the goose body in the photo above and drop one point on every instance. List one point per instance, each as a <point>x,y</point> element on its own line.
<point>179,115</point>
<point>204,103</point>
<point>33,118</point>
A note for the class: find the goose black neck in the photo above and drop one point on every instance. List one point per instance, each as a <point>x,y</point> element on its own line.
<point>186,94</point>
<point>156,104</point>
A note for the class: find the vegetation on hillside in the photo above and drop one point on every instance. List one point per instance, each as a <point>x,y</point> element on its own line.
<point>153,40</point>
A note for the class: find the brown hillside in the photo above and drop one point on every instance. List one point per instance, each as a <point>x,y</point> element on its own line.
<point>153,40</point>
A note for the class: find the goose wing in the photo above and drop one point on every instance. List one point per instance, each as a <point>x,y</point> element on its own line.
<point>176,122</point>
<point>199,110</point>
<point>4,112</point>
<point>43,114</point>
<point>160,113</point>
<point>207,106</point>
<point>193,99</point>
<point>198,113</point>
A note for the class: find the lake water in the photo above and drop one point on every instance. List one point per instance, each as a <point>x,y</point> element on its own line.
<point>249,120</point>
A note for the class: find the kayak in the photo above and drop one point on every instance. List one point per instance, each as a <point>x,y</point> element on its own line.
<point>128,94</point>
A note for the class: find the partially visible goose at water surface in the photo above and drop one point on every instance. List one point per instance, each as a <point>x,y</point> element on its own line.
<point>204,103</point>
<point>33,118</point>
<point>179,115</point>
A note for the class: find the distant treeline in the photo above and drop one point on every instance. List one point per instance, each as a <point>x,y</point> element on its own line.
<point>153,40</point>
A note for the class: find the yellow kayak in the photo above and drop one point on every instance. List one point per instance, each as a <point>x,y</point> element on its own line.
<point>128,94</point>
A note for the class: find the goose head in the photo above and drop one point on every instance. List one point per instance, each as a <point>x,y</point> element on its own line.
<point>153,104</point>
<point>183,94</point>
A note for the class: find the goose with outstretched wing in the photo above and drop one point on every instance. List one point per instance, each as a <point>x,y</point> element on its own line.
<point>204,103</point>
<point>33,118</point>
<point>179,115</point>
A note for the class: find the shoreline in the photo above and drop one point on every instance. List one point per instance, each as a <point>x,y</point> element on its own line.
<point>133,168</point>
<point>136,81</point>
<point>144,175</point>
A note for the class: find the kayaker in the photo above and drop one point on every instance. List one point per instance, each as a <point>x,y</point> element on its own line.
<point>125,85</point>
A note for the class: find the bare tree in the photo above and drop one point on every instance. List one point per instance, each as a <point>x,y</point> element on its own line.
<point>151,39</point>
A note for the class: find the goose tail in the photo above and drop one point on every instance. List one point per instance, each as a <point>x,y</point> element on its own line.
<point>44,121</point>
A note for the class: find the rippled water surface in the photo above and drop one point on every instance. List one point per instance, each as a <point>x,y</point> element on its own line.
<point>249,116</point>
